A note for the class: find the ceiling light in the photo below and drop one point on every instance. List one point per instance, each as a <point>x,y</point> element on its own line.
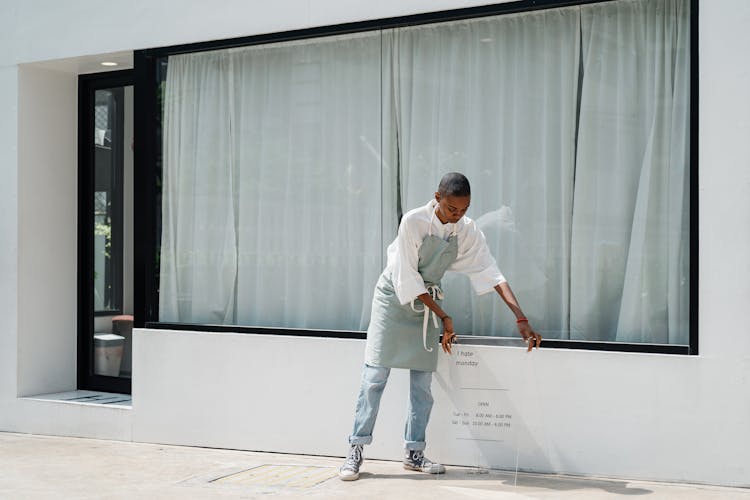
<point>109,63</point>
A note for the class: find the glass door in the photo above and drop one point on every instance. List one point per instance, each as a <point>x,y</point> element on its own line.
<point>105,231</point>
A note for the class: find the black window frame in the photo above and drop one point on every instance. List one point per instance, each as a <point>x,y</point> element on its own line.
<point>147,173</point>
<point>88,84</point>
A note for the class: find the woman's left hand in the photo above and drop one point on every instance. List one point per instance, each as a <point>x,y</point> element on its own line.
<point>449,336</point>
<point>529,335</point>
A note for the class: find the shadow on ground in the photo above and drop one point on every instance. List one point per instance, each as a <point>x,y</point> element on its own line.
<point>505,481</point>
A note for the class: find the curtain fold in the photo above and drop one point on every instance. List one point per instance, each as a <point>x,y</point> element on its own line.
<point>198,255</point>
<point>272,185</point>
<point>496,99</point>
<point>630,262</point>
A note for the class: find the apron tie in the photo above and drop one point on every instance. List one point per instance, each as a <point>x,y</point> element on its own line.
<point>437,294</point>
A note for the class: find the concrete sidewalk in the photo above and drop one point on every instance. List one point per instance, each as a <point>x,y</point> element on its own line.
<point>33,467</point>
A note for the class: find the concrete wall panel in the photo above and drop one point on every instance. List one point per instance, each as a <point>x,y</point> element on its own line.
<point>47,239</point>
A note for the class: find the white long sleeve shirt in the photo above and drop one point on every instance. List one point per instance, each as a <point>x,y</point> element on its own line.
<point>474,258</point>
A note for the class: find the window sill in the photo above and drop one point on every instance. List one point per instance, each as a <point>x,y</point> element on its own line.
<point>88,398</point>
<point>462,339</point>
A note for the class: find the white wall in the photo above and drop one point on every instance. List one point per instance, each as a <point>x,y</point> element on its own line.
<point>648,416</point>
<point>9,229</point>
<point>38,167</point>
<point>630,415</point>
<point>84,27</point>
<point>724,159</point>
<point>47,191</point>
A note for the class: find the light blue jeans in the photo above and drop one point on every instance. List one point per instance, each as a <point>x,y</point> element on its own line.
<point>374,379</point>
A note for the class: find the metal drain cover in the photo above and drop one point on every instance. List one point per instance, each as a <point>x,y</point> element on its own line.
<point>279,476</point>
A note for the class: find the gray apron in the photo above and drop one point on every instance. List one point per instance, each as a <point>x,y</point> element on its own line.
<point>393,337</point>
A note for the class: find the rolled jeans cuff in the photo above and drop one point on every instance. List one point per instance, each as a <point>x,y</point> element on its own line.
<point>360,440</point>
<point>415,445</point>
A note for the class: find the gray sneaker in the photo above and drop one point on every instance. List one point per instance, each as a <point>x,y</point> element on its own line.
<point>415,460</point>
<point>350,470</point>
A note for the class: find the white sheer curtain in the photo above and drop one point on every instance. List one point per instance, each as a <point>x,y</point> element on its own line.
<point>198,243</point>
<point>495,98</point>
<point>587,215</point>
<point>286,167</point>
<point>630,260</point>
<point>271,191</point>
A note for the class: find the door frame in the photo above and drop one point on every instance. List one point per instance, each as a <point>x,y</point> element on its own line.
<point>87,86</point>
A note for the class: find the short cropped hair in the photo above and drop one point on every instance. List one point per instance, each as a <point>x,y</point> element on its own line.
<point>454,184</point>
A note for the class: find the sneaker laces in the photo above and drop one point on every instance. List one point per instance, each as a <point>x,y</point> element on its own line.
<point>355,456</point>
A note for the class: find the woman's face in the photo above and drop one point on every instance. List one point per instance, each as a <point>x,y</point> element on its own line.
<point>451,208</point>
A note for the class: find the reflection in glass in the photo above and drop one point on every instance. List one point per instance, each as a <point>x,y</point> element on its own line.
<point>112,231</point>
<point>107,199</point>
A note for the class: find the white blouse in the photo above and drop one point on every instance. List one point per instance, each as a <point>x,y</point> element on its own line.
<point>474,258</point>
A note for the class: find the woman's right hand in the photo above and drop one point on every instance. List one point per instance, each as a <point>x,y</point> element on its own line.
<point>449,336</point>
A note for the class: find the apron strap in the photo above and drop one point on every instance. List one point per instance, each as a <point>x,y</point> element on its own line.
<point>437,294</point>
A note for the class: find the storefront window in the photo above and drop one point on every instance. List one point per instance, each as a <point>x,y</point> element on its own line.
<point>286,167</point>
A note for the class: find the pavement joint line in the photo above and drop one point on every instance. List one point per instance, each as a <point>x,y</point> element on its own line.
<point>279,475</point>
<point>279,472</point>
<point>303,479</point>
<point>268,474</point>
<point>283,479</point>
<point>318,478</point>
